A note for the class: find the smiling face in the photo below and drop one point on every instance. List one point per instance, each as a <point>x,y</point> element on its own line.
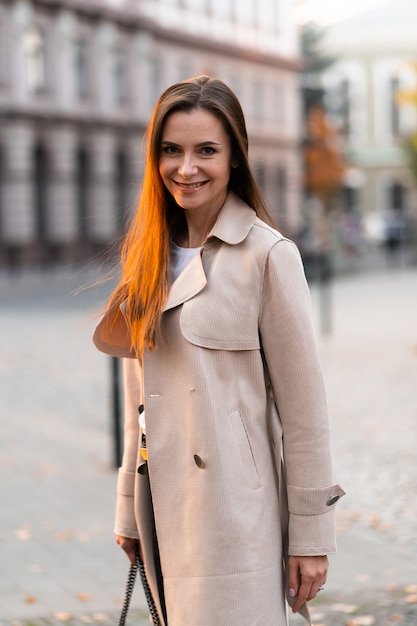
<point>195,160</point>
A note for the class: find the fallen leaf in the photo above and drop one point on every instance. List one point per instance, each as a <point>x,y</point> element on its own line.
<point>35,568</point>
<point>391,587</point>
<point>362,578</point>
<point>30,600</point>
<point>64,535</point>
<point>24,533</point>
<point>411,599</point>
<point>84,597</point>
<point>99,618</point>
<point>45,469</point>
<point>344,608</point>
<point>316,616</point>
<point>410,589</point>
<point>83,536</point>
<point>62,617</point>
<point>364,620</point>
<point>396,618</point>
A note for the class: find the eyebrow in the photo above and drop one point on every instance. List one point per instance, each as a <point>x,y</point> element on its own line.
<point>198,145</point>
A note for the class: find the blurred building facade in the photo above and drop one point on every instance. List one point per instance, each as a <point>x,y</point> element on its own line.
<point>372,52</point>
<point>78,81</point>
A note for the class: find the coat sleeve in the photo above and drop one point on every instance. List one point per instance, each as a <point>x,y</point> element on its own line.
<point>292,359</point>
<point>125,524</point>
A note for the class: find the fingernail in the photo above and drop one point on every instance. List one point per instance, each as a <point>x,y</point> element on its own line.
<point>292,593</point>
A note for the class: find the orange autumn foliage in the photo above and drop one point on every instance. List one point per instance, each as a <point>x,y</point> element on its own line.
<point>324,164</point>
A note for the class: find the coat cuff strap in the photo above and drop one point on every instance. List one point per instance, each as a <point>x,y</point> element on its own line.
<point>313,501</point>
<point>126,482</point>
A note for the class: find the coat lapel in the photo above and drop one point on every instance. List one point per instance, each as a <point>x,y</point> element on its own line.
<point>232,226</point>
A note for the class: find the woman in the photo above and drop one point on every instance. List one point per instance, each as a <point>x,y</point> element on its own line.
<point>232,501</point>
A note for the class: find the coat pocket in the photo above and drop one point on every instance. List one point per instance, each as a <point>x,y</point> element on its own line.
<point>241,438</point>
<point>220,323</point>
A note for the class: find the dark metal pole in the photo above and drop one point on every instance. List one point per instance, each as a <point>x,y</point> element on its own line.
<point>115,401</point>
<point>325,289</point>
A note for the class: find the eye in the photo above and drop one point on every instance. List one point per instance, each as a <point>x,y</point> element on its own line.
<point>208,151</point>
<point>170,150</point>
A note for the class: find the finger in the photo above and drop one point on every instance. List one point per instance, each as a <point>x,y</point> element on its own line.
<point>304,593</point>
<point>293,577</point>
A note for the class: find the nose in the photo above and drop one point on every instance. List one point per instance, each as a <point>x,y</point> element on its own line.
<point>187,167</point>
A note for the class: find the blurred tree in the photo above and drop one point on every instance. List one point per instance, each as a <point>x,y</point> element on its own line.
<point>324,164</point>
<point>315,62</point>
<point>324,167</point>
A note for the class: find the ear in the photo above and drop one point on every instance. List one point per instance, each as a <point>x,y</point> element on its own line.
<point>235,163</point>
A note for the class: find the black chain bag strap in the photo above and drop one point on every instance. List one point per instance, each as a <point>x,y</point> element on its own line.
<point>134,568</point>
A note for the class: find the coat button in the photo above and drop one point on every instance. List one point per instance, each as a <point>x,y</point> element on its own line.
<point>332,500</point>
<point>143,469</point>
<point>199,461</point>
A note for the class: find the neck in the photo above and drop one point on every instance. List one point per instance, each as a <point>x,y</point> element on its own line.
<point>195,233</point>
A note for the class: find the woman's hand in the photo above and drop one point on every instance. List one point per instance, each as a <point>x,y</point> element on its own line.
<point>129,546</point>
<point>305,577</point>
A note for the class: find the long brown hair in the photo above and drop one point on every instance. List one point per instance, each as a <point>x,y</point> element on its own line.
<point>145,256</point>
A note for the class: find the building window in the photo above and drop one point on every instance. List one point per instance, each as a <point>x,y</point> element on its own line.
<point>254,12</point>
<point>122,188</point>
<point>394,108</point>
<point>281,183</point>
<point>260,176</point>
<point>278,103</point>
<point>40,177</point>
<point>120,75</point>
<point>81,68</point>
<point>258,100</point>
<point>82,194</point>
<point>3,47</point>
<point>156,78</point>
<point>234,10</point>
<point>1,197</point>
<point>34,50</point>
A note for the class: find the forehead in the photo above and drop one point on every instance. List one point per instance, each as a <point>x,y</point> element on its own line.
<point>194,123</point>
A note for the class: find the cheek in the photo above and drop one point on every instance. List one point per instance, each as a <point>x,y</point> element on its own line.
<point>162,169</point>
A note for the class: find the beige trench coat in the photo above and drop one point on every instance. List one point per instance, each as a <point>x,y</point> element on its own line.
<point>220,415</point>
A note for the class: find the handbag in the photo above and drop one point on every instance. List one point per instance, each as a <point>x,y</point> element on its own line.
<point>133,570</point>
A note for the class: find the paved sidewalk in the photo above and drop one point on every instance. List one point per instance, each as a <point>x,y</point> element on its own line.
<point>58,560</point>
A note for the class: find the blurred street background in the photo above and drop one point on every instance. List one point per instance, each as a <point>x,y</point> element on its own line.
<point>329,92</point>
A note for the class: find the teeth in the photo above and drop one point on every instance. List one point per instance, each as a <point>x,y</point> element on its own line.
<point>192,186</point>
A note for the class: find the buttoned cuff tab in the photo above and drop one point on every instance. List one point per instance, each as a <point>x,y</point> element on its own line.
<point>313,501</point>
<point>125,483</point>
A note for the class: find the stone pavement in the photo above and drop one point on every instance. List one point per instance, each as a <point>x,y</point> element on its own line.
<point>58,559</point>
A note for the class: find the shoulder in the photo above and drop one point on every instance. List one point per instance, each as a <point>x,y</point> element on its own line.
<point>272,242</point>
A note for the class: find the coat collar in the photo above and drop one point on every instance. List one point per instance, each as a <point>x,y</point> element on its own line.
<point>234,222</point>
<point>232,226</point>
